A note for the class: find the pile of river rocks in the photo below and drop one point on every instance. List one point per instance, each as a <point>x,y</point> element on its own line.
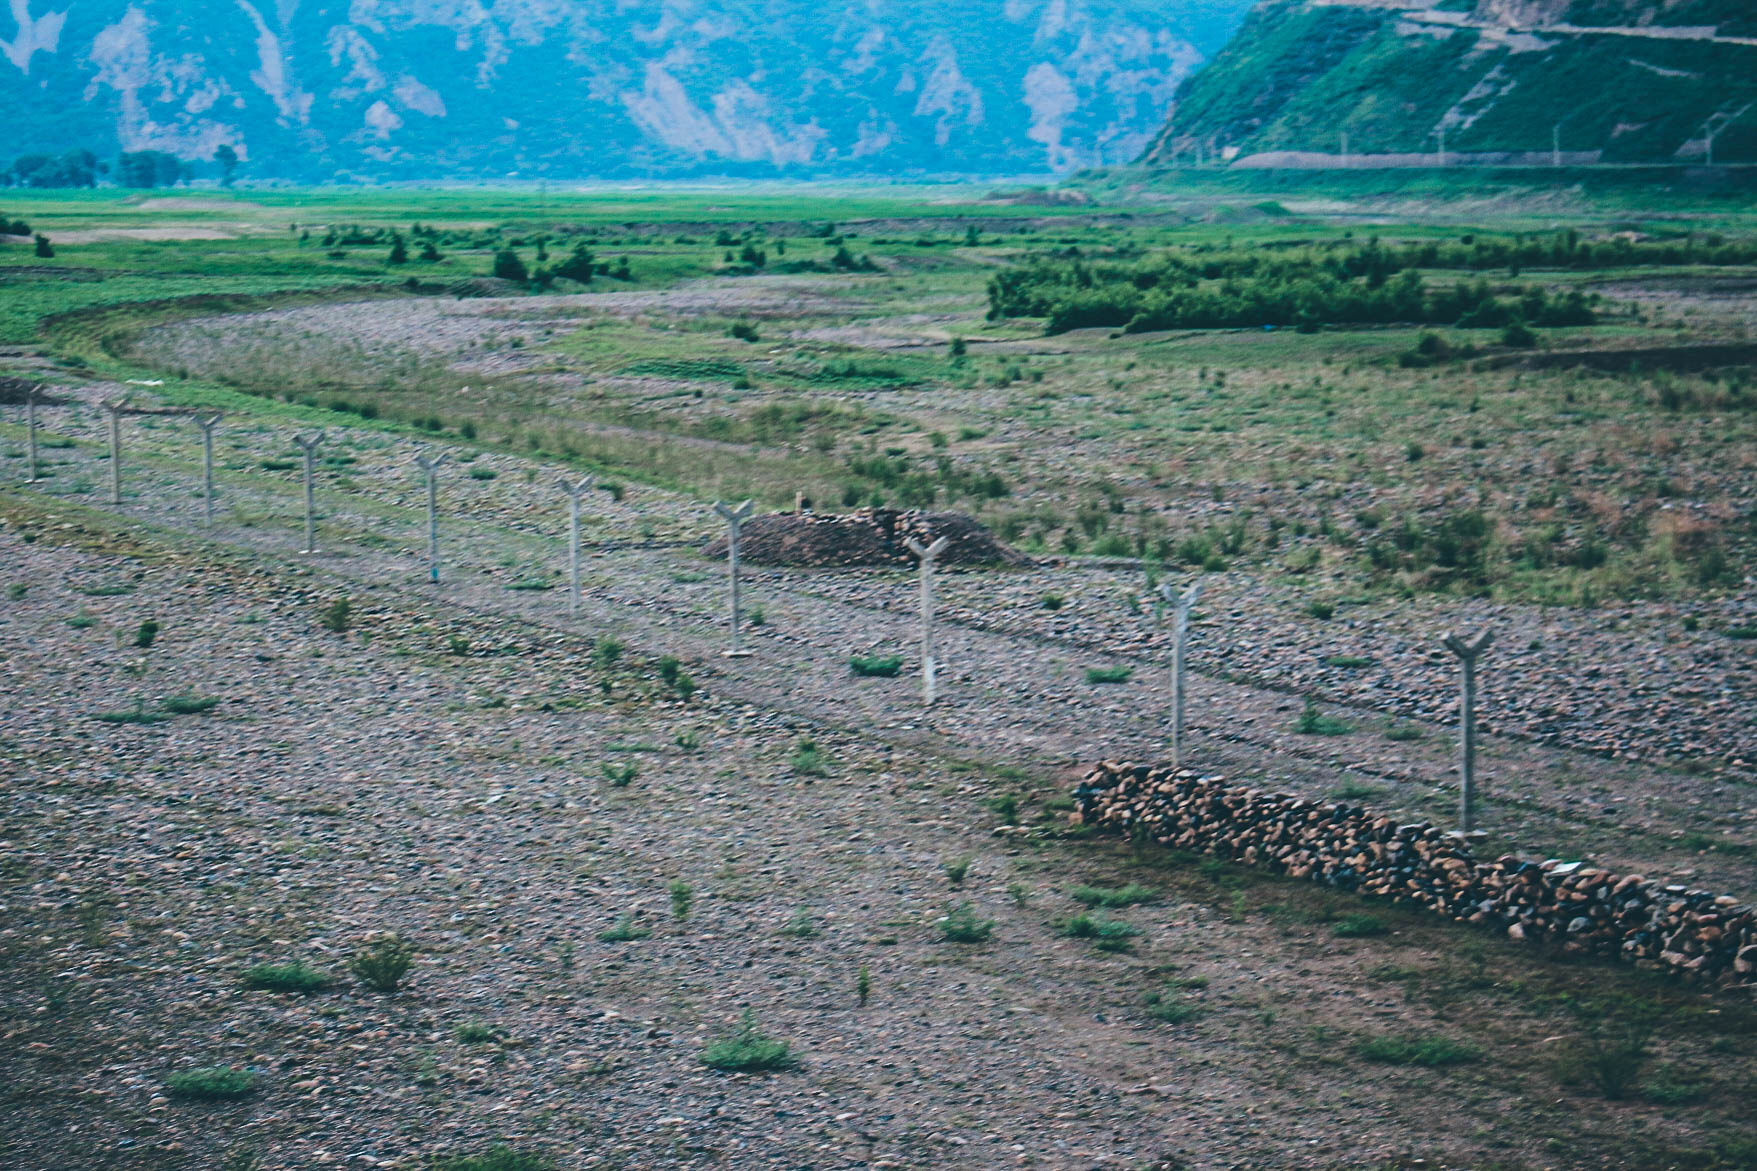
<point>1695,933</point>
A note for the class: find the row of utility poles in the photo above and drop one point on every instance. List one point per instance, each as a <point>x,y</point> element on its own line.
<point>1179,602</point>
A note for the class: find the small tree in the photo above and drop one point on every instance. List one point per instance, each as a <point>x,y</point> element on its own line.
<point>44,249</point>
<point>227,158</point>
<point>430,253</point>
<point>508,266</point>
<point>579,265</point>
<point>399,252</point>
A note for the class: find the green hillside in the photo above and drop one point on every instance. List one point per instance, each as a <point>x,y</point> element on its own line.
<point>1299,76</point>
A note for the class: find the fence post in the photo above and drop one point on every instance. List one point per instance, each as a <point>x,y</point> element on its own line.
<point>735,518</point>
<point>114,407</point>
<point>574,492</point>
<point>1182,603</point>
<point>927,556</point>
<point>1468,653</point>
<point>207,465</point>
<point>309,445</point>
<point>30,428</point>
<point>430,465</point>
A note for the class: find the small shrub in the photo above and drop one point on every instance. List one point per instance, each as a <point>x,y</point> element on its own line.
<point>620,774</point>
<point>146,633</point>
<point>689,740</point>
<point>1167,1006</point>
<point>748,1050</point>
<point>808,759</point>
<point>1669,1087</point>
<point>624,930</point>
<point>1613,1045</point>
<point>190,704</point>
<point>1312,722</point>
<point>477,1032</point>
<point>1006,807</point>
<point>1348,662</point>
<point>294,977</point>
<point>863,985</point>
<point>1359,926</point>
<point>382,964</point>
<point>82,621</point>
<point>757,616</point>
<point>682,898</point>
<point>1432,1052</point>
<point>744,331</point>
<point>961,924</point>
<point>606,652</point>
<point>884,667</point>
<point>479,472</point>
<point>496,1158</point>
<point>957,868</point>
<point>1109,674</point>
<point>337,616</point>
<point>1120,896</point>
<point>210,1083</point>
<point>1323,611</point>
<point>1053,601</point>
<point>801,925</point>
<point>1742,633</point>
<point>1355,791</point>
<point>1107,934</point>
<point>1404,733</point>
<point>457,644</point>
<point>17,590</point>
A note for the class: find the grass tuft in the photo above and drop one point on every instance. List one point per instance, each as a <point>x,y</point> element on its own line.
<point>882,667</point>
<point>1432,1052</point>
<point>294,977</point>
<point>747,1049</point>
<point>210,1083</point>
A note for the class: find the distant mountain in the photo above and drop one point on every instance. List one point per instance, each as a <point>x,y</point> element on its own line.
<point>612,88</point>
<point>1614,81</point>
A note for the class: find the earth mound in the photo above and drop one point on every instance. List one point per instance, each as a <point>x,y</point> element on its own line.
<point>870,536</point>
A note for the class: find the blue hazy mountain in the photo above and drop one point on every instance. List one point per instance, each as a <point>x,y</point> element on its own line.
<point>613,88</point>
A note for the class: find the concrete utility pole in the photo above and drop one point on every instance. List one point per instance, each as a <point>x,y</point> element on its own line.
<point>1182,603</point>
<point>30,429</point>
<point>574,492</point>
<point>1468,653</point>
<point>309,445</point>
<point>927,556</point>
<point>207,425</point>
<point>114,407</point>
<point>735,518</point>
<point>430,465</point>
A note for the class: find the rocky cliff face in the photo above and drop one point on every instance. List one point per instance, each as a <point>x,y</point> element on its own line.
<point>1327,82</point>
<point>312,88</point>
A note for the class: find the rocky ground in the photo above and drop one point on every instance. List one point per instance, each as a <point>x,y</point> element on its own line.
<point>443,769</point>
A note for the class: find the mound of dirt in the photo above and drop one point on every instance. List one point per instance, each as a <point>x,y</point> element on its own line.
<point>871,536</point>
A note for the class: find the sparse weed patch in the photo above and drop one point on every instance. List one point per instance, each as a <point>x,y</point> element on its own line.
<point>1359,925</point>
<point>1431,1052</point>
<point>1106,934</point>
<point>624,930</point>
<point>210,1083</point>
<point>1313,722</point>
<point>1118,896</point>
<point>496,1158</point>
<point>382,964</point>
<point>747,1049</point>
<point>883,666</point>
<point>296,976</point>
<point>962,924</point>
<point>1109,674</point>
<point>189,703</point>
<point>808,760</point>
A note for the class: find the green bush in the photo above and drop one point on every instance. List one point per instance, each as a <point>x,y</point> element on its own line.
<point>624,930</point>
<point>1120,896</point>
<point>1312,722</point>
<point>957,868</point>
<point>1107,934</point>
<point>885,667</point>
<point>620,775</point>
<point>477,1032</point>
<point>1432,1052</point>
<point>337,616</point>
<point>1359,925</point>
<point>210,1083</point>
<point>808,760</point>
<point>382,964</point>
<point>961,924</point>
<point>294,977</point>
<point>146,634</point>
<point>748,1050</point>
<point>1109,674</point>
<point>190,704</point>
<point>496,1158</point>
<point>1170,1007</point>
